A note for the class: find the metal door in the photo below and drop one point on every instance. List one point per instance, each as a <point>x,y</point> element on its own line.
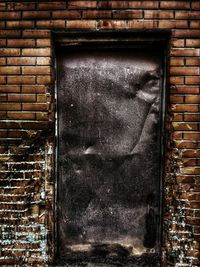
<point>109,149</point>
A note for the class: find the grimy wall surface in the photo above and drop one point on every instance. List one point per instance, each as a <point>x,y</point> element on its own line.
<point>27,119</point>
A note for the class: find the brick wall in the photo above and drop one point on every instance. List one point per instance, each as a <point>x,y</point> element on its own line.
<point>27,119</point>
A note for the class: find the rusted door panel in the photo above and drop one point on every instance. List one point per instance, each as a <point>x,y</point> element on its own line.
<point>109,152</point>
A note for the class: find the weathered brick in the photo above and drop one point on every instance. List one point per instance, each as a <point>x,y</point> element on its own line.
<point>186,33</point>
<point>185,89</point>
<point>36,14</point>
<point>142,24</point>
<point>195,5</point>
<point>192,117</point>
<point>2,61</point>
<point>84,24</point>
<point>195,24</point>
<point>21,61</point>
<point>36,51</point>
<point>127,14</point>
<point>91,14</point>
<point>192,136</point>
<point>9,88</point>
<point>10,15</point>
<point>21,115</point>
<point>44,79</point>
<point>10,106</point>
<point>184,52</point>
<point>66,14</point>
<point>81,4</point>
<point>21,5</point>
<point>9,52</point>
<point>50,23</point>
<point>192,42</point>
<point>192,99</point>
<point>36,70</point>
<point>158,14</point>
<point>10,33</point>
<point>182,126</point>
<point>187,15</point>
<point>184,70</point>
<point>192,80</point>
<point>9,70</point>
<point>175,4</point>
<point>21,97</point>
<point>34,88</point>
<point>176,61</point>
<point>35,106</point>
<point>20,24</point>
<point>192,61</point>
<point>20,42</point>
<point>21,79</point>
<point>184,108</point>
<point>178,42</point>
<point>44,61</point>
<point>36,33</point>
<point>51,5</point>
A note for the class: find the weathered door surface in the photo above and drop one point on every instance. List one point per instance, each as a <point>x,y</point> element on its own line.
<point>109,123</point>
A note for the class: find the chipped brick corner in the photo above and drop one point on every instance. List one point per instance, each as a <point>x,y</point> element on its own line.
<point>27,179</point>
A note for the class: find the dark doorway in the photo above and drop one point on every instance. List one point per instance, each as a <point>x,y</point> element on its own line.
<point>109,150</point>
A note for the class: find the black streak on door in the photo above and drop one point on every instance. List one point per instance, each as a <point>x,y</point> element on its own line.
<point>109,152</point>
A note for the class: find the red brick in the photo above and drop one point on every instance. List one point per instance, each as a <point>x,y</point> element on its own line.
<point>2,42</point>
<point>185,89</point>
<point>195,24</point>
<point>21,6</point>
<point>44,61</point>
<point>81,24</point>
<point>173,24</point>
<point>20,42</point>
<point>176,99</point>
<point>177,117</point>
<point>10,106</point>
<point>186,33</point>
<point>192,61</point>
<point>50,23</point>
<point>175,4</point>
<point>187,15</point>
<point>182,126</point>
<point>9,88</point>
<point>21,97</point>
<point>36,33</point>
<point>9,70</point>
<point>192,136</point>
<point>35,106</point>
<point>51,5</point>
<point>184,108</point>
<point>66,14</point>
<point>176,80</point>
<point>34,88</point>
<point>20,24</point>
<point>158,14</point>
<point>9,51</point>
<point>184,52</point>
<point>175,61</point>
<point>192,99</point>
<point>184,70</point>
<point>91,14</point>
<point>43,42</point>
<point>21,61</point>
<point>192,42</point>
<point>36,70</point>
<point>44,79</point>
<point>192,117</point>
<point>36,51</point>
<point>2,79</point>
<point>21,79</point>
<point>81,4</point>
<point>2,6</point>
<point>2,61</point>
<point>178,42</point>
<point>192,80</point>
<point>10,33</point>
<point>36,14</point>
<point>195,5</point>
<point>10,15</point>
<point>127,14</point>
<point>142,24</point>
